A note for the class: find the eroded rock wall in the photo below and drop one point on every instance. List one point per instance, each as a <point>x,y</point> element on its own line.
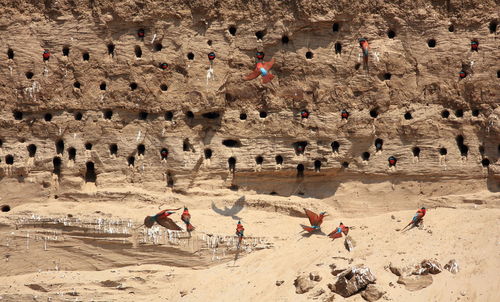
<point>102,85</point>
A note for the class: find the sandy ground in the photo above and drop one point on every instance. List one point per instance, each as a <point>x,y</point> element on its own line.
<point>98,269</point>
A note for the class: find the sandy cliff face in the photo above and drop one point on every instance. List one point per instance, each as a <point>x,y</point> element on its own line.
<point>102,88</point>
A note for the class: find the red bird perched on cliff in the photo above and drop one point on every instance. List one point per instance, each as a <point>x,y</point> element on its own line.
<point>46,55</point>
<point>337,233</point>
<point>186,218</point>
<point>162,219</point>
<point>417,219</point>
<point>315,220</point>
<point>363,43</point>
<point>262,68</point>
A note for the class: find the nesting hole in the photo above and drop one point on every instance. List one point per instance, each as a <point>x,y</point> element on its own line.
<point>431,43</point>
<point>18,115</point>
<point>190,56</point>
<point>77,85</point>
<point>208,153</point>
<point>443,151</point>
<point>169,115</point>
<point>72,153</point>
<point>387,76</point>
<point>131,160</point>
<point>259,160</point>
<point>379,143</point>
<point>190,115</point>
<point>309,55</point>
<point>374,113</point>
<point>475,112</point>
<point>391,34</point>
<point>5,208</point>
<point>209,42</point>
<point>317,165</point>
<point>163,87</point>
<point>259,34</point>
<point>231,143</point>
<point>86,56</point>
<point>300,170</point>
<point>464,150</point>
<point>143,115</point>
<point>485,162</point>
<point>211,115</point>
<point>335,27</point>
<point>158,46</point>
<point>335,146</point>
<point>493,27</point>
<point>138,51</point>
<point>78,116</point>
<point>366,156</point>
<point>498,73</point>
<point>279,159</point>
<point>243,116</point>
<point>338,48</point>
<point>90,175</point>
<point>60,146</point>
<point>416,151</point>
<point>56,162</point>
<point>232,30</point>
<point>186,145</point>
<point>459,113</point>
<point>88,146</point>
<point>108,114</point>
<point>263,114</point>
<point>285,39</point>
<point>300,147</point>
<point>10,54</point>
<point>232,164</point>
<point>133,86</point>
<point>103,86</point>
<point>164,153</point>
<point>445,114</point>
<point>47,117</point>
<point>113,149</point>
<point>29,75</point>
<point>65,51</point>
<point>357,66</point>
<point>141,149</point>
<point>9,159</point>
<point>345,165</point>
<point>408,116</point>
<point>111,49</point>
<point>451,28</point>
<point>31,150</point>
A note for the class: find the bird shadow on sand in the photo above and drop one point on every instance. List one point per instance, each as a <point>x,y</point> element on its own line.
<point>232,212</point>
<point>305,234</point>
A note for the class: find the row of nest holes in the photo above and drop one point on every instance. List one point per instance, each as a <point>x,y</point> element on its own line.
<point>102,85</point>
<point>391,34</point>
<point>317,163</point>
<point>108,114</point>
<point>299,148</point>
<point>90,174</point>
<point>141,149</point>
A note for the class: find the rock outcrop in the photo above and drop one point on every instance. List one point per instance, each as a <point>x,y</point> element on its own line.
<point>352,280</point>
<point>452,266</point>
<point>415,282</point>
<point>372,293</point>
<point>303,284</point>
